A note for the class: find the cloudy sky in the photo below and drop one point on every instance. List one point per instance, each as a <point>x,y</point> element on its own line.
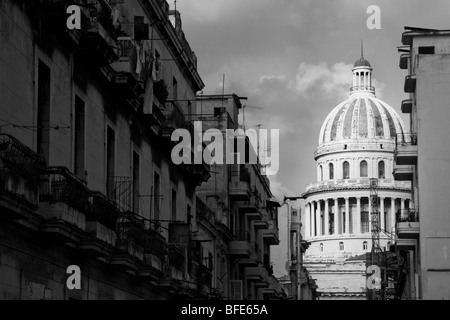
<point>293,60</point>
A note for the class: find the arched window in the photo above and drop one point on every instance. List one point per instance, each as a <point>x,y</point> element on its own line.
<point>346,170</point>
<point>321,247</point>
<point>365,245</point>
<point>341,246</point>
<point>363,169</point>
<point>381,170</point>
<point>331,169</point>
<point>321,173</point>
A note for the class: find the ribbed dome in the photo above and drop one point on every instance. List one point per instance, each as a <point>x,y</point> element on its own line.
<point>361,117</point>
<point>361,62</point>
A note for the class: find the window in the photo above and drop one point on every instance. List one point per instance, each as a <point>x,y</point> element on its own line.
<point>364,221</point>
<point>363,169</point>
<point>321,247</point>
<point>218,111</point>
<point>79,138</point>
<point>43,112</point>
<point>346,170</point>
<point>136,196</point>
<point>365,245</point>
<point>331,223</point>
<point>110,161</point>
<point>188,214</point>
<point>426,50</point>
<point>381,170</point>
<point>321,173</point>
<point>331,169</point>
<point>174,205</point>
<point>156,186</point>
<point>341,246</point>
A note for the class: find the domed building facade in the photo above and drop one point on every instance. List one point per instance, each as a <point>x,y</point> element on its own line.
<point>356,143</point>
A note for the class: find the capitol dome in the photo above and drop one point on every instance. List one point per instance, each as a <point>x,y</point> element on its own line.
<point>362,121</point>
<point>361,117</point>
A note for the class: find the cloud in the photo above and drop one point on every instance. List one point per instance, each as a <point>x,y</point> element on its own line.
<point>319,79</point>
<point>278,189</point>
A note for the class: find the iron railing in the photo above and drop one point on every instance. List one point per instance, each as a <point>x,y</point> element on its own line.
<point>174,114</point>
<point>58,184</point>
<point>102,209</point>
<point>407,215</point>
<point>17,157</point>
<point>130,227</point>
<point>406,139</point>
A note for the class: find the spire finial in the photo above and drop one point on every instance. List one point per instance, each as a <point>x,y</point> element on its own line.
<point>362,49</point>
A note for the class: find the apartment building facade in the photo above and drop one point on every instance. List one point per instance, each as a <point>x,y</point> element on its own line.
<point>85,153</point>
<point>243,205</point>
<point>422,233</point>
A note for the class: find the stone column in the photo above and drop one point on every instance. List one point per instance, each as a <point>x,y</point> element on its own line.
<point>382,213</point>
<point>392,214</point>
<point>336,218</point>
<point>357,220</point>
<point>318,232</point>
<point>327,218</point>
<point>313,219</point>
<point>347,215</point>
<point>307,218</point>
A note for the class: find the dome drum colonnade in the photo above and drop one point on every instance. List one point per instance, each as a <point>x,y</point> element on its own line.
<point>356,143</point>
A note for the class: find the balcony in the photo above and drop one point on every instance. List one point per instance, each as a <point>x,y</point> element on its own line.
<point>155,251</point>
<point>125,76</point>
<point>154,116</point>
<point>204,275</point>
<point>130,241</point>
<point>239,186</point>
<point>99,34</point>
<point>64,200</point>
<point>177,256</point>
<point>257,275</point>
<point>406,149</point>
<point>410,84</point>
<point>362,88</point>
<point>406,106</point>
<point>174,118</point>
<point>408,226</point>
<point>20,168</point>
<point>406,244</point>
<point>271,234</point>
<point>403,172</point>
<point>101,218</point>
<point>261,224</point>
<point>252,208</point>
<point>403,64</point>
<point>240,245</point>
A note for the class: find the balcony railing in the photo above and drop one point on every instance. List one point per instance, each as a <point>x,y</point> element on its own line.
<point>102,209</point>
<point>177,255</point>
<point>130,228</point>
<point>155,243</point>
<point>407,215</point>
<point>406,139</point>
<point>58,184</point>
<point>360,88</point>
<point>20,159</point>
<point>174,114</point>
